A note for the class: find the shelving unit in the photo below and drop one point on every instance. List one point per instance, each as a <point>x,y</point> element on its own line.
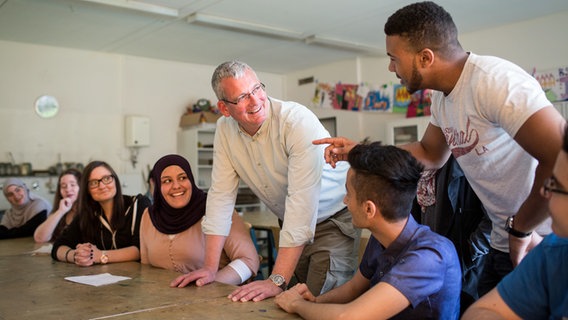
<point>406,130</point>
<point>195,143</point>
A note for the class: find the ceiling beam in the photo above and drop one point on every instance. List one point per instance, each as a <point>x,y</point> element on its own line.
<point>243,26</point>
<point>139,6</point>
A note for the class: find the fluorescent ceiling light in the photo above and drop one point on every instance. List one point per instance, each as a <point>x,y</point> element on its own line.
<point>243,26</point>
<point>274,32</point>
<point>341,44</point>
<point>140,6</point>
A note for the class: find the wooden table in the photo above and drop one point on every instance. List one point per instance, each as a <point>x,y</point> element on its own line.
<point>33,287</point>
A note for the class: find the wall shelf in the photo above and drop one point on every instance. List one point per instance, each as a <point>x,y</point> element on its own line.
<point>190,144</point>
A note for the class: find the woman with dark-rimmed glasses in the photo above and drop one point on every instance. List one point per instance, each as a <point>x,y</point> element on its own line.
<point>106,228</point>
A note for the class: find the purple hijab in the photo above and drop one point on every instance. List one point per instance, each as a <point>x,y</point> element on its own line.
<point>170,220</point>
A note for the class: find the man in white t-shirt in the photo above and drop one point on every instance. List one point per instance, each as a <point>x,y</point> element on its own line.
<point>490,114</point>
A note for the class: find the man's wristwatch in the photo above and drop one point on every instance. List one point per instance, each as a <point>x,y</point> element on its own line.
<point>511,230</point>
<point>104,258</point>
<point>279,281</point>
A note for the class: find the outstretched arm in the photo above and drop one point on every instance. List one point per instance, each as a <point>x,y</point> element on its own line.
<point>337,150</point>
<point>432,150</point>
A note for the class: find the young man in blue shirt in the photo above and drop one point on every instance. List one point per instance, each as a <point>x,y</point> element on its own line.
<point>407,270</point>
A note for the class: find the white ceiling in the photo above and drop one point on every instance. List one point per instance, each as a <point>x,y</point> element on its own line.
<point>107,28</point>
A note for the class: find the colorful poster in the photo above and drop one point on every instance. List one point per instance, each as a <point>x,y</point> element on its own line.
<point>419,105</point>
<point>413,105</point>
<point>554,83</point>
<point>346,97</point>
<point>323,96</point>
<point>378,99</point>
<point>401,99</point>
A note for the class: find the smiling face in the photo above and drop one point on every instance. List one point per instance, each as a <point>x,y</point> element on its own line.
<point>175,186</point>
<point>103,192</point>
<point>16,195</point>
<point>68,187</point>
<point>250,112</point>
<point>404,63</point>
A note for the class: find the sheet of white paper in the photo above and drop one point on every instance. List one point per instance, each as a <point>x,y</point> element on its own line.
<point>97,279</point>
<point>45,249</point>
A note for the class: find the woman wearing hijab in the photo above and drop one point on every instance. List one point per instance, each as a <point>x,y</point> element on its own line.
<point>106,229</point>
<point>27,210</point>
<point>170,231</point>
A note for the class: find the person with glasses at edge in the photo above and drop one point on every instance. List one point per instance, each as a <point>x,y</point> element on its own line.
<point>107,227</point>
<point>538,287</point>
<point>267,143</point>
<point>27,211</point>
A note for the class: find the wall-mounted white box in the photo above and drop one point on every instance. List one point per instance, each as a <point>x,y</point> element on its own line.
<point>137,131</point>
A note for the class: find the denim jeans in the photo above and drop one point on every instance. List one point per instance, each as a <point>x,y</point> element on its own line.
<point>497,265</point>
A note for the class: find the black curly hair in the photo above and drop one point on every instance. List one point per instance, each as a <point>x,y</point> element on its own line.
<point>425,25</point>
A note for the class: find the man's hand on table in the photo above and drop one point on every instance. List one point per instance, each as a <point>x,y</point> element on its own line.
<point>255,291</point>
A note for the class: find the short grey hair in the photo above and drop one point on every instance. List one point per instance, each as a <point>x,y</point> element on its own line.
<point>229,69</point>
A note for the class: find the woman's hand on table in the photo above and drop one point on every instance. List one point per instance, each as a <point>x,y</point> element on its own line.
<point>83,255</point>
<point>255,291</point>
<point>201,277</point>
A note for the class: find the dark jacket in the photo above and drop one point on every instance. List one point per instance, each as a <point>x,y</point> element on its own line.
<point>459,215</point>
<point>126,235</point>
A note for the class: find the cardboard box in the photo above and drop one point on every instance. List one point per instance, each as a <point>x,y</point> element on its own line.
<point>193,119</point>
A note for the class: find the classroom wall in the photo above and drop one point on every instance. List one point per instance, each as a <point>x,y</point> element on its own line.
<point>96,91</point>
<point>539,43</point>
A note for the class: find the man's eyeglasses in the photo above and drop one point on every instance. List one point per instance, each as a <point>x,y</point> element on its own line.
<point>246,96</point>
<point>550,185</point>
<point>95,183</point>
